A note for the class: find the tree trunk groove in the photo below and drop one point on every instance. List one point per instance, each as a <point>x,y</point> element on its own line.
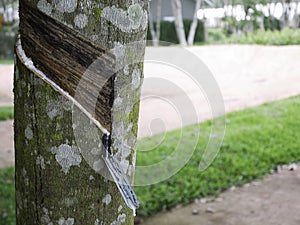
<point>78,73</point>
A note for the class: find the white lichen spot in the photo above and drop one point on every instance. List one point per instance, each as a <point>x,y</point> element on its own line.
<point>26,181</point>
<point>70,201</point>
<point>129,128</point>
<point>61,221</point>
<point>119,51</point>
<point>124,164</point>
<point>28,133</point>
<point>129,106</point>
<point>96,151</point>
<point>45,7</point>
<point>126,70</point>
<point>69,221</point>
<point>97,222</point>
<point>38,94</point>
<point>118,103</point>
<point>38,81</point>
<point>17,73</point>
<point>107,199</point>
<point>40,161</point>
<point>53,109</point>
<point>19,200</point>
<point>25,203</point>
<point>125,151</point>
<point>24,172</point>
<point>66,6</point>
<point>66,156</point>
<point>28,90</point>
<point>91,177</point>
<point>81,21</point>
<point>120,208</point>
<point>23,84</point>
<point>119,132</point>
<point>122,218</point>
<point>92,206</point>
<point>135,15</point>
<point>98,165</point>
<point>58,127</point>
<point>114,223</point>
<point>118,17</point>
<point>136,78</point>
<point>45,219</point>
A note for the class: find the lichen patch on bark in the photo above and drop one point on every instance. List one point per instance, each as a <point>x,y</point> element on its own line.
<point>107,199</point>
<point>63,221</point>
<point>45,7</point>
<point>68,6</point>
<point>81,21</point>
<point>66,156</point>
<point>28,133</point>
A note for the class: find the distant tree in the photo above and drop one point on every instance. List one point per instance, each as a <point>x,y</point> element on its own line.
<point>194,24</point>
<point>179,24</point>
<point>296,16</point>
<point>177,13</point>
<point>155,33</point>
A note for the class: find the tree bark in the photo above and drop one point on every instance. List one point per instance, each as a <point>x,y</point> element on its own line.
<point>64,104</point>
<point>177,12</point>
<point>194,24</point>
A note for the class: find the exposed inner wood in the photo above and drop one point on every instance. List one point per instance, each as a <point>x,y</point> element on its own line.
<point>81,68</point>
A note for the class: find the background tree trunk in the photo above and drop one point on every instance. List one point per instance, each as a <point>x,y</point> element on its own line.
<point>194,24</point>
<point>58,173</point>
<point>155,33</point>
<point>177,12</point>
<point>296,16</point>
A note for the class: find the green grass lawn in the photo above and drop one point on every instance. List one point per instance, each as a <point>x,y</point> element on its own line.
<point>6,61</point>
<point>7,197</point>
<point>257,140</point>
<point>286,36</point>
<point>6,112</point>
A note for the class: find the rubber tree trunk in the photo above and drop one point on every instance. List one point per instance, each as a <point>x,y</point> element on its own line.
<point>78,73</point>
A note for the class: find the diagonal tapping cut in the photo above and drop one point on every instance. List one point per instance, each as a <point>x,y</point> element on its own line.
<point>65,56</point>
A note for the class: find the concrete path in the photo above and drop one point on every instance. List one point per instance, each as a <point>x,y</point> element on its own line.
<point>273,201</point>
<point>7,156</point>
<point>6,84</point>
<point>246,75</point>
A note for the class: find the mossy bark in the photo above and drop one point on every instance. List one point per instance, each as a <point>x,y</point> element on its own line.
<point>56,182</point>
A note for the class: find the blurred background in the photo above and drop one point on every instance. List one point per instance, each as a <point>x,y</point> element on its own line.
<point>9,22</point>
<point>251,49</point>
